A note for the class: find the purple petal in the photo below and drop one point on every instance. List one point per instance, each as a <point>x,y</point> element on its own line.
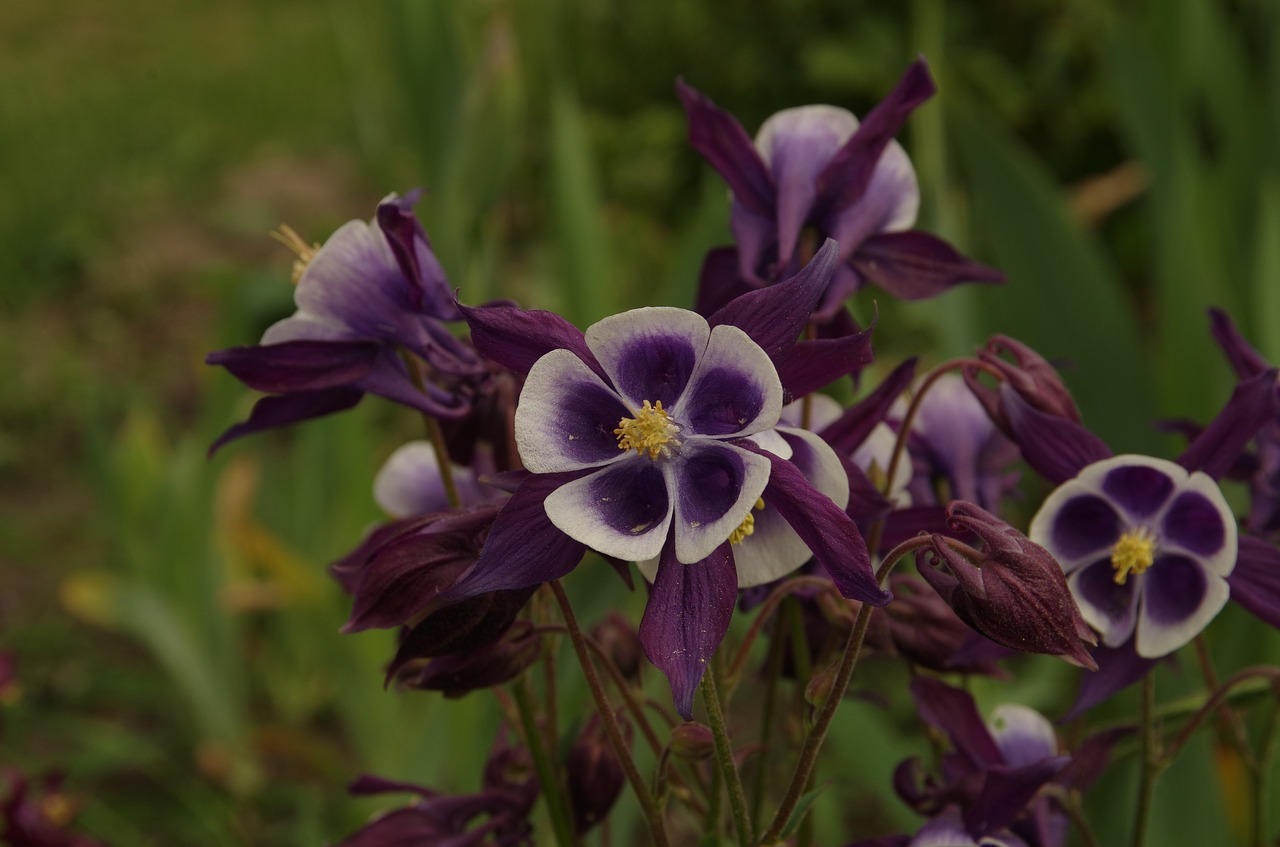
<point>517,338</point>
<point>845,179</point>
<point>774,316</point>
<point>717,485</point>
<point>1118,668</point>
<point>735,390</point>
<point>1179,598</point>
<point>828,531</point>
<point>856,424</point>
<point>1140,489</point>
<point>1245,360</point>
<point>1255,582</point>
<point>1196,524</point>
<point>915,265</point>
<point>723,142</point>
<point>1107,606</point>
<point>1083,526</point>
<point>1056,447</point>
<point>889,204</point>
<point>566,416</point>
<point>953,712</point>
<point>649,353</point>
<point>1216,449</point>
<point>719,281</point>
<point>811,365</point>
<point>686,618</point>
<point>272,412</point>
<point>389,378</point>
<point>1006,794</point>
<point>409,244</point>
<point>621,510</point>
<point>298,365</point>
<point>523,547</point>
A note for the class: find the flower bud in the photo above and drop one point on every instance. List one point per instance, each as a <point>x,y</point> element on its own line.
<point>595,775</point>
<point>692,742</point>
<point>501,661</point>
<point>1012,591</point>
<point>621,643</point>
<point>1029,374</point>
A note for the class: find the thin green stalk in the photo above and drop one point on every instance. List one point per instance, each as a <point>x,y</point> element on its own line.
<point>548,776</point>
<point>434,433</point>
<point>651,811</point>
<point>1150,763</point>
<point>773,671</point>
<point>724,760</point>
<point>1262,776</point>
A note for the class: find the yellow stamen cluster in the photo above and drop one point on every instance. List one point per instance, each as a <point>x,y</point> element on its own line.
<point>289,237</point>
<point>748,525</point>
<point>649,431</point>
<point>1133,554</point>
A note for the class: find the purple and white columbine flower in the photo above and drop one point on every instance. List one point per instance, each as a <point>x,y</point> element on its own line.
<point>1146,546</point>
<point>657,436</point>
<point>371,294</point>
<point>816,167</point>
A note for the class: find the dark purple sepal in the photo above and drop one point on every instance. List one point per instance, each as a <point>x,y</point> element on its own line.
<point>1007,792</point>
<point>389,379</point>
<point>811,365</point>
<point>824,527</point>
<point>523,548</point>
<point>719,281</point>
<point>1245,360</point>
<point>866,502</point>
<point>1255,581</point>
<point>502,660</point>
<point>914,265</point>
<point>296,366</point>
<point>1090,759</point>
<point>516,338</point>
<point>367,785</point>
<point>404,232</point>
<point>1253,403</point>
<point>1118,668</point>
<point>845,178</point>
<point>1029,374</point>
<point>953,712</point>
<point>460,627</point>
<point>285,409</point>
<point>686,618</point>
<point>722,141</point>
<point>852,428</point>
<point>349,570</point>
<point>773,317</point>
<point>1055,447</point>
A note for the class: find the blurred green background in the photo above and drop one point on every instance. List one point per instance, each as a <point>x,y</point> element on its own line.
<point>175,632</point>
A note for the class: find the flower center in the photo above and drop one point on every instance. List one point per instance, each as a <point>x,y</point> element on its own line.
<point>1133,553</point>
<point>650,430</point>
<point>748,525</point>
<point>289,237</point>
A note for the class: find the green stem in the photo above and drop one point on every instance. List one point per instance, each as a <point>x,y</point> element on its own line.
<point>548,775</point>
<point>772,673</point>
<point>767,609</point>
<point>1218,697</point>
<point>434,433</point>
<point>1150,763</point>
<point>724,759</point>
<point>1262,776</point>
<point>651,812</point>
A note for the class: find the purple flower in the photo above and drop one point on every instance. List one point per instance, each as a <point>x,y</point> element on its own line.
<point>409,482</point>
<point>817,168</point>
<point>1147,547</point>
<point>372,294</point>
<point>638,436</point>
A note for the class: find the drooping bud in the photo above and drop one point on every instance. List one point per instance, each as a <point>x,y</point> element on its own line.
<point>621,643</point>
<point>1012,591</point>
<point>595,775</point>
<point>1029,374</point>
<point>501,661</point>
<point>924,629</point>
<point>692,742</point>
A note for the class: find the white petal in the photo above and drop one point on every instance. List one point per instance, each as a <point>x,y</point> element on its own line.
<point>649,353</point>
<point>715,487</point>
<point>623,510</point>
<point>566,416</point>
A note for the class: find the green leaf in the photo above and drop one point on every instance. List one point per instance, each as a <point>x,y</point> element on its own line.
<point>802,809</point>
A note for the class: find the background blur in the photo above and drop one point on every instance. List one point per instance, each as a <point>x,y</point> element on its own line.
<point>175,633</point>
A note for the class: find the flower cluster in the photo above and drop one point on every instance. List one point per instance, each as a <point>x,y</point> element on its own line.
<point>707,448</point>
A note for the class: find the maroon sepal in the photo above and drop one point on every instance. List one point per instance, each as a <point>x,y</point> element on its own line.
<point>516,338</point>
<point>1253,403</point>
<point>851,428</point>
<point>723,142</point>
<point>914,265</point>
<point>285,409</point>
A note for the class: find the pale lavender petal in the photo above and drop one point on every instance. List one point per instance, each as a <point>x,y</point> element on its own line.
<point>716,486</point>
<point>1023,735</point>
<point>943,832</point>
<point>1139,488</point>
<point>409,482</point>
<point>889,204</point>
<point>1108,607</point>
<point>1179,598</point>
<point>1200,522</point>
<point>566,416</point>
<point>623,510</point>
<point>649,353</point>
<point>686,618</point>
<point>774,549</point>
<point>734,391</point>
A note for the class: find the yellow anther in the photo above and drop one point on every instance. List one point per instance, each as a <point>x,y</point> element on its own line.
<point>289,237</point>
<point>748,525</point>
<point>1133,553</point>
<point>649,431</point>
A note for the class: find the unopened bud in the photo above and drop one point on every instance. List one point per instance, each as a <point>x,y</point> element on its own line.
<point>692,742</point>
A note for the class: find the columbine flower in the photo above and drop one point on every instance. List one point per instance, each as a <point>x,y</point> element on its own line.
<point>638,439</point>
<point>1146,547</point>
<point>818,168</point>
<point>372,293</point>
